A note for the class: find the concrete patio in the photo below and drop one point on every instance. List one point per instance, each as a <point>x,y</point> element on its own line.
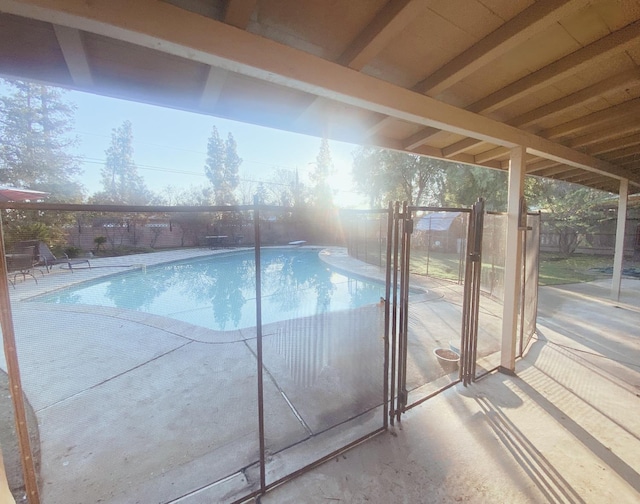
<point>564,430</point>
<point>131,420</point>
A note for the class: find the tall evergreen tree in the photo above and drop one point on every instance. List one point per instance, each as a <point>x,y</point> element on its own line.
<point>321,194</point>
<point>120,179</point>
<point>35,151</point>
<point>221,167</point>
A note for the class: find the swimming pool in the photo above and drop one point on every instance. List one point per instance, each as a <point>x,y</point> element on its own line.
<point>218,291</point>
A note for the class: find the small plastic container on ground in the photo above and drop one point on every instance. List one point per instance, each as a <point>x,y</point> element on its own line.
<point>447,358</point>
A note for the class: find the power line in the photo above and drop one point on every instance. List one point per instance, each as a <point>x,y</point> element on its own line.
<point>199,174</point>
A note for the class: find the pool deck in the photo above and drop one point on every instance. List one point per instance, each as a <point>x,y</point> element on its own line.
<point>563,430</point>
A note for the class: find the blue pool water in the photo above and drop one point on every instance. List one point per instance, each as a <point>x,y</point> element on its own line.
<point>218,292</point>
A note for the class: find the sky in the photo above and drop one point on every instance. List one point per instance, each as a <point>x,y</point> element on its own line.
<point>170,146</point>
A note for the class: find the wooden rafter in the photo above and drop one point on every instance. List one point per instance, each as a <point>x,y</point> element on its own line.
<point>596,118</point>
<point>577,99</point>
<point>419,138</point>
<point>377,125</point>
<point>583,177</point>
<point>386,25</point>
<point>459,147</point>
<point>216,79</point>
<point>461,158</point>
<point>534,168</point>
<point>512,33</point>
<point>152,24</point>
<point>612,145</point>
<point>491,154</point>
<point>598,51</point>
<point>621,128</point>
<point>632,150</point>
<point>75,56</point>
<point>515,31</point>
<point>556,171</point>
<point>389,21</point>
<point>630,161</point>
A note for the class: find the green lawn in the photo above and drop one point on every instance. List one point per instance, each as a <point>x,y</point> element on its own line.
<point>556,269</point>
<point>439,264</point>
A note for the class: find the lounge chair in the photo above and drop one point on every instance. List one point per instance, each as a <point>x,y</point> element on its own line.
<point>48,260</point>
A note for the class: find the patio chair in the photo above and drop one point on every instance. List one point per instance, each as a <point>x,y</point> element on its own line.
<point>21,262</point>
<point>48,260</point>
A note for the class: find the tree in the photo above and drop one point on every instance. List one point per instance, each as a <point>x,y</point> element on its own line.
<point>120,180</point>
<point>465,184</point>
<point>385,176</point>
<point>568,210</point>
<point>261,197</point>
<point>35,126</point>
<point>35,153</point>
<point>200,195</point>
<point>221,167</point>
<point>285,188</point>
<point>321,194</point>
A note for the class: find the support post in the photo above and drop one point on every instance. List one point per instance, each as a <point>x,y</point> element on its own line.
<point>513,254</point>
<point>620,232</point>
<point>15,384</point>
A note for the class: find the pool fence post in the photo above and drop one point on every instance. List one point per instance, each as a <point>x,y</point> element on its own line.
<point>387,303</point>
<point>15,385</point>
<point>256,223</point>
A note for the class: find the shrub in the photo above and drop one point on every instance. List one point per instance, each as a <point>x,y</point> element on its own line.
<point>73,252</point>
<point>100,241</point>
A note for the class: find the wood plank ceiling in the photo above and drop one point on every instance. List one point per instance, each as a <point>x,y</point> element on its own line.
<point>464,80</point>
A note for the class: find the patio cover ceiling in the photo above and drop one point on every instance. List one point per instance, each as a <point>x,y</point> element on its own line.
<point>463,80</point>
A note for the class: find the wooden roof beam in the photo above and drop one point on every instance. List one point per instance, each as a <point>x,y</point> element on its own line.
<point>613,145</point>
<point>74,54</point>
<point>584,177</point>
<point>426,150</point>
<point>515,31</point>
<point>491,154</point>
<point>556,171</point>
<point>216,79</point>
<point>518,29</point>
<point>419,138</point>
<point>630,161</point>
<point>461,158</point>
<point>377,125</point>
<point>153,24</point>
<point>597,51</point>
<point>534,168</point>
<point>238,12</point>
<point>387,24</point>
<point>576,99</point>
<point>623,127</point>
<point>582,123</point>
<point>631,150</point>
<point>460,147</point>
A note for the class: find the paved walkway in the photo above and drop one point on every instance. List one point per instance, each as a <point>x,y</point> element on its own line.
<point>128,405</point>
